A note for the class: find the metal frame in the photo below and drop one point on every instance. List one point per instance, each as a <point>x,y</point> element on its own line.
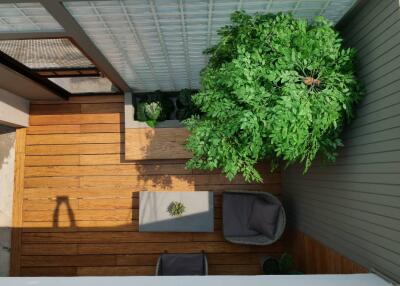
<point>27,72</point>
<point>74,32</point>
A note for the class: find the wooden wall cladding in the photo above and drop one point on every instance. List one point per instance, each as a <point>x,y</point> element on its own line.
<point>313,257</point>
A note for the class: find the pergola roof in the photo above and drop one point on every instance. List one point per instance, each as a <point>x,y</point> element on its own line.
<point>157,44</point>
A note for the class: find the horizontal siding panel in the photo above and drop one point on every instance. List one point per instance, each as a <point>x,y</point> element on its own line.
<point>350,225</point>
<point>373,168</point>
<point>381,93</point>
<point>380,104</point>
<point>373,128</point>
<point>389,212</point>
<point>385,40</point>
<point>384,17</point>
<point>387,113</point>
<point>363,15</point>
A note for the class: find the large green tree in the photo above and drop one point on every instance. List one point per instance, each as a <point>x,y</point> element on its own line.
<point>275,87</point>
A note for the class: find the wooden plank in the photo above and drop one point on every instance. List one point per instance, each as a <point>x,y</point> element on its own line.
<point>71,260</point>
<point>81,192</point>
<point>17,215</point>
<point>107,170</point>
<point>102,128</point>
<point>86,99</point>
<point>51,182</point>
<point>64,160</point>
<point>53,129</point>
<point>49,249</point>
<point>73,216</point>
<point>155,183</point>
<point>102,108</point>
<point>57,139</point>
<point>48,204</point>
<point>76,129</point>
<point>48,271</point>
<point>104,159</point>
<point>182,247</point>
<point>104,237</point>
<point>54,109</point>
<point>67,226</point>
<point>79,149</point>
<point>156,143</point>
<point>108,203</point>
<point>137,259</point>
<point>76,119</point>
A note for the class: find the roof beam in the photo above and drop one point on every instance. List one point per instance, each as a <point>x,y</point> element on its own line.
<point>74,30</point>
<point>31,35</point>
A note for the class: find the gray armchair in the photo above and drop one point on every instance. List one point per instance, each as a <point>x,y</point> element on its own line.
<point>252,217</point>
<point>171,264</point>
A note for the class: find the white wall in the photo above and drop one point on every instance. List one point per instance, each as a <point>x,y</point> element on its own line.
<point>14,110</point>
<point>7,161</point>
<point>221,280</point>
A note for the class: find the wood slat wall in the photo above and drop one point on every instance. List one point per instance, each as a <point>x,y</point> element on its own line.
<point>353,206</point>
<point>80,199</point>
<point>313,257</point>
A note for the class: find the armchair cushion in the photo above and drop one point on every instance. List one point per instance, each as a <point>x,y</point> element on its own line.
<point>263,217</point>
<point>236,211</point>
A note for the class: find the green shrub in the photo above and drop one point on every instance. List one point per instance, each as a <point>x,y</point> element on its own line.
<point>154,107</point>
<point>275,88</point>
<point>185,104</point>
<point>153,112</point>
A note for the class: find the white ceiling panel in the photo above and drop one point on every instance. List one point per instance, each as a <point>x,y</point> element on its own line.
<point>158,44</point>
<point>26,17</point>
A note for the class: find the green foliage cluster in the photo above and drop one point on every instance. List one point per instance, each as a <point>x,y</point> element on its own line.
<point>275,87</point>
<point>176,208</point>
<point>154,108</point>
<point>283,266</point>
<point>185,105</point>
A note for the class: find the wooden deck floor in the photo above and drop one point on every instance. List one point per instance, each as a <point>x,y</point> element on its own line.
<point>80,202</point>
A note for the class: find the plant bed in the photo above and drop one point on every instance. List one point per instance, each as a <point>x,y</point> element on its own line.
<point>164,109</point>
<point>147,138</point>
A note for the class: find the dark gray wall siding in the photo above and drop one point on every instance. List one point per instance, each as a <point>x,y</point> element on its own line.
<point>353,205</point>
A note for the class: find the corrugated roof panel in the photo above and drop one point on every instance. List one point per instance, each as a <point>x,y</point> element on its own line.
<point>158,44</point>
<point>26,17</point>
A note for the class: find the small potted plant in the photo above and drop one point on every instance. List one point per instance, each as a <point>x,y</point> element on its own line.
<point>153,108</point>
<point>176,208</point>
<point>282,266</point>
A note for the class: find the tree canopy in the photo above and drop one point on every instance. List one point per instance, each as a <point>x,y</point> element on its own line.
<point>276,88</point>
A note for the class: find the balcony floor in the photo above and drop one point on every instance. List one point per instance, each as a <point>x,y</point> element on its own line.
<point>79,213</point>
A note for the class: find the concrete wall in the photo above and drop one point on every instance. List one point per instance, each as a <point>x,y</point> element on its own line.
<point>7,161</point>
<point>14,110</point>
<point>353,206</point>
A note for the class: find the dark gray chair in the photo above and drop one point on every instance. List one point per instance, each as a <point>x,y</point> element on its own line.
<point>170,264</point>
<point>252,217</point>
